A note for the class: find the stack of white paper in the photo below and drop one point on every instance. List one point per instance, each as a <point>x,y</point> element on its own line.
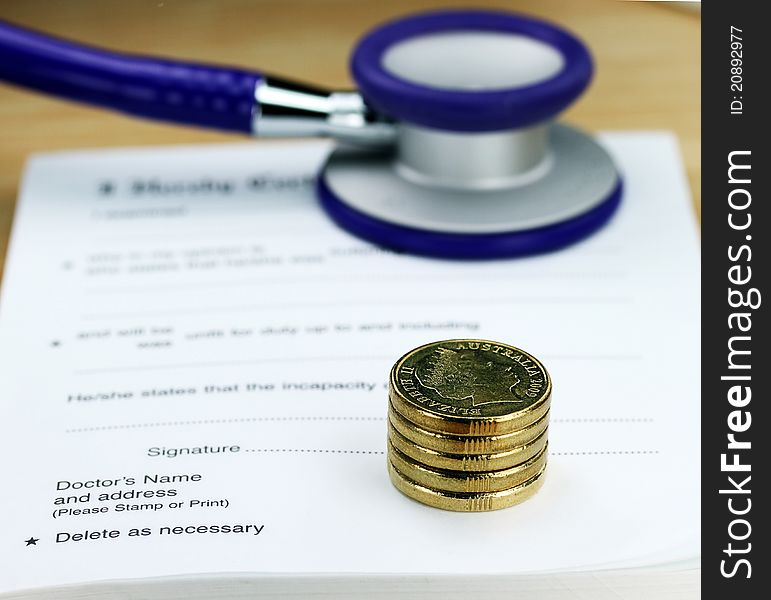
<point>193,400</point>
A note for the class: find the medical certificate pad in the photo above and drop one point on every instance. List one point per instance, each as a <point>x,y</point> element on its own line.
<point>193,379</point>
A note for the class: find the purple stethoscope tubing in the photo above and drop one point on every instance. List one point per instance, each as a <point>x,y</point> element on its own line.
<point>206,96</point>
<point>224,97</point>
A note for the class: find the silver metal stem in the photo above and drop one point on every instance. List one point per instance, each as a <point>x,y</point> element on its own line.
<point>493,160</point>
<point>428,157</point>
<point>293,110</point>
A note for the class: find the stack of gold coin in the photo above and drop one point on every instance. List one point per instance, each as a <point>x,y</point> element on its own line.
<point>467,424</point>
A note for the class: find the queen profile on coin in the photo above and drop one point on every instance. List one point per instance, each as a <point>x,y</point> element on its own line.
<point>470,387</point>
<point>467,375</point>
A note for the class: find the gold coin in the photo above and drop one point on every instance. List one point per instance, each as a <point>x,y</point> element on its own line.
<point>464,481</point>
<point>470,387</point>
<point>467,462</point>
<point>466,444</point>
<point>465,501</point>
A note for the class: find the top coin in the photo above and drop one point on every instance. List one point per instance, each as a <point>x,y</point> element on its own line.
<point>470,387</point>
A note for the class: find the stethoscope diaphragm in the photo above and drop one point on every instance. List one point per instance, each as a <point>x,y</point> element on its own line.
<point>478,169</point>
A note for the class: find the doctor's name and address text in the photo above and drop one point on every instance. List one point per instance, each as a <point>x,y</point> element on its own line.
<point>173,494</point>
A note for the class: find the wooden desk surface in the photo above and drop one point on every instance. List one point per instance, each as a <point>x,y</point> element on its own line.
<point>648,64</point>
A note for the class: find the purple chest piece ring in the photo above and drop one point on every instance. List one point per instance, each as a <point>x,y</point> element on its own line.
<point>478,169</point>
<point>448,150</point>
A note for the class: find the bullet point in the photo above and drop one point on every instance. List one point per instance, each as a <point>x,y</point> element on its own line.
<point>106,188</point>
<point>32,541</point>
<point>56,343</point>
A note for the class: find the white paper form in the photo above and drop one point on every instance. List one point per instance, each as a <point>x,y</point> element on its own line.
<point>193,367</point>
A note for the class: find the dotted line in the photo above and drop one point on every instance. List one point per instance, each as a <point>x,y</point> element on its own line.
<point>316,451</point>
<point>276,419</point>
<point>326,451</point>
<point>218,421</point>
<point>605,420</point>
<point>603,452</point>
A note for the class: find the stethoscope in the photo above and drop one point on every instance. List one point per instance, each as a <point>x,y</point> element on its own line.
<point>448,150</point>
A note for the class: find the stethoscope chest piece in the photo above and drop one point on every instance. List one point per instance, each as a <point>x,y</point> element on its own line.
<point>478,168</point>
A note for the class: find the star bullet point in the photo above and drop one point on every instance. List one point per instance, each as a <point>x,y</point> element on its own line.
<point>32,541</point>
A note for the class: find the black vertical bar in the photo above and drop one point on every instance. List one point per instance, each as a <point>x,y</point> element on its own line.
<point>735,272</point>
